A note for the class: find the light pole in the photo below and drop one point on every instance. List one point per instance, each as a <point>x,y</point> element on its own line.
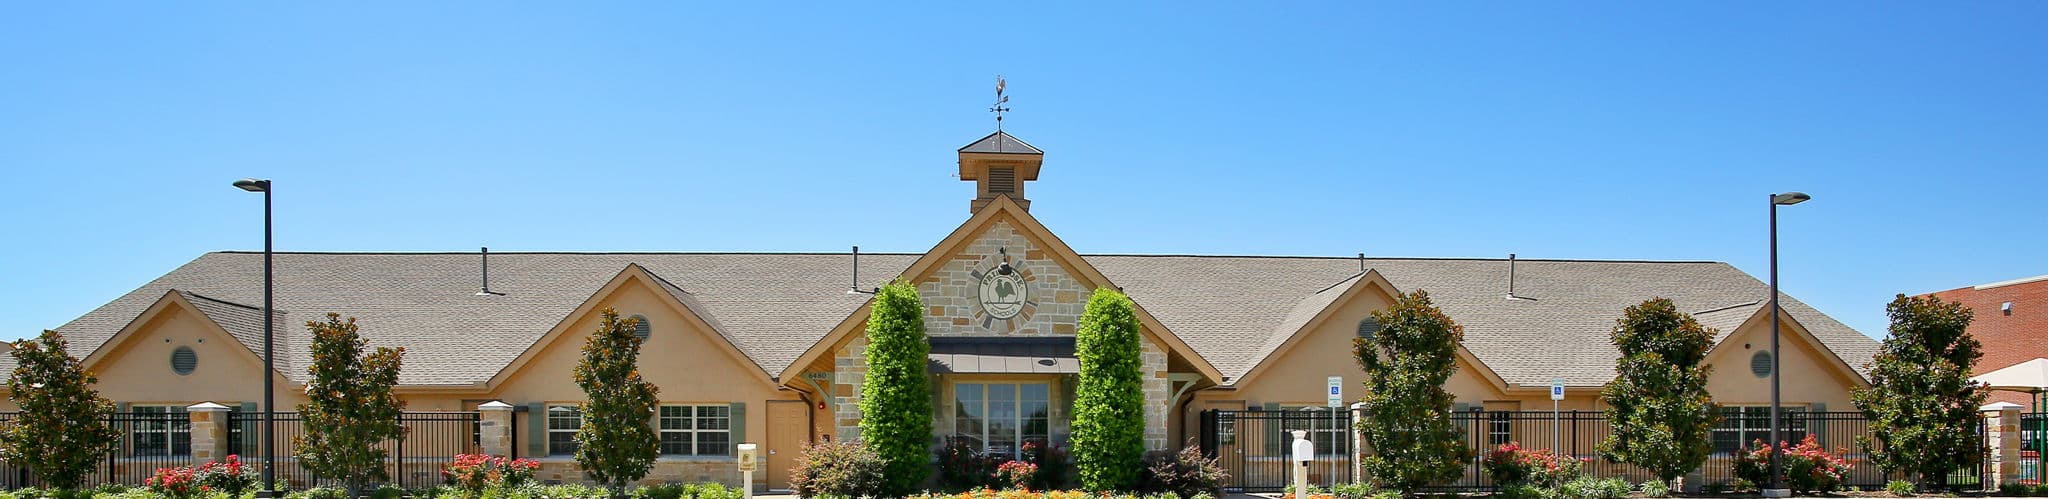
<point>269,355</point>
<point>1776,488</point>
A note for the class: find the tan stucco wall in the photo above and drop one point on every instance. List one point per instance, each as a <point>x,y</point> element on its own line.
<point>1808,376</point>
<point>137,370</point>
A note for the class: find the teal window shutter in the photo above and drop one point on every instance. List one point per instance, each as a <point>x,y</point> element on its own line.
<point>1276,435</point>
<point>739,425</point>
<point>537,429</point>
<point>250,435</point>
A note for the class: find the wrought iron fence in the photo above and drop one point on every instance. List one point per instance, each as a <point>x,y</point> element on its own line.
<point>1254,446</point>
<point>2033,446</point>
<point>148,441</point>
<point>431,439</point>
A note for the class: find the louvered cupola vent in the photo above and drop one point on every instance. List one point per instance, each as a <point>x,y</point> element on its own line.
<point>1002,181</point>
<point>1000,165</point>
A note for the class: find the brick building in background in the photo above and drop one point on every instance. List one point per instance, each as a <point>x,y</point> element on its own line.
<point>2012,321</point>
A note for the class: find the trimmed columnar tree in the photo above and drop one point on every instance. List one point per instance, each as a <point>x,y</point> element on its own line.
<point>1408,423</point>
<point>61,432</point>
<point>1109,396</point>
<point>1922,406</point>
<point>350,410</point>
<point>1663,419</point>
<point>616,444</point>
<point>896,398</point>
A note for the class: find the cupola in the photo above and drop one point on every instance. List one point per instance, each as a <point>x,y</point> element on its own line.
<point>999,165</point>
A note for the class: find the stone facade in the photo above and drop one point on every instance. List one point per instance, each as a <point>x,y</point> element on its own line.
<point>1157,390</point>
<point>849,371</point>
<point>209,432</point>
<point>951,292</point>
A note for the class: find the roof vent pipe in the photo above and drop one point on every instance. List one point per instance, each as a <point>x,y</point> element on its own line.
<point>855,288</point>
<point>1511,280</point>
<point>485,289</point>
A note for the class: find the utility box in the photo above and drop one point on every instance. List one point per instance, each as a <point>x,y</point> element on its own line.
<point>747,457</point>
<point>1304,450</point>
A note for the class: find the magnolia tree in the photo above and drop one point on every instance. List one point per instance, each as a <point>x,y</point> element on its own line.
<point>617,443</point>
<point>1662,418</point>
<point>350,410</point>
<point>1109,397</point>
<point>1408,423</point>
<point>61,432</point>
<point>1922,406</point>
<point>896,398</point>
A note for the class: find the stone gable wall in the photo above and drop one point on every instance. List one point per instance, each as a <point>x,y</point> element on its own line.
<point>951,292</point>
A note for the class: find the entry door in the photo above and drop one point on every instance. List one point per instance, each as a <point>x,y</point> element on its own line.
<point>788,432</point>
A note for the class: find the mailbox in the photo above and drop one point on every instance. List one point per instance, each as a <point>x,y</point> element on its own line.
<point>1304,450</point>
<point>747,456</point>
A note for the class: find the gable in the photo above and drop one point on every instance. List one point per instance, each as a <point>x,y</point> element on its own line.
<point>1050,297</point>
<point>1810,373</point>
<point>682,355</point>
<point>135,366</point>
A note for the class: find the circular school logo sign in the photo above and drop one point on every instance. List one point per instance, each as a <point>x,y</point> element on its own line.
<point>1003,295</point>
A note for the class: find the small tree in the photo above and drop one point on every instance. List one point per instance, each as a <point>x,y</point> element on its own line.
<point>349,411</point>
<point>1408,423</point>
<point>61,433</point>
<point>616,444</point>
<point>1921,403</point>
<point>896,399</point>
<point>1663,420</point>
<point>1109,397</point>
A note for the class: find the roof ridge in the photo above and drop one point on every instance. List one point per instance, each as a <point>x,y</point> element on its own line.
<point>887,253</point>
<point>217,300</point>
<point>473,253</point>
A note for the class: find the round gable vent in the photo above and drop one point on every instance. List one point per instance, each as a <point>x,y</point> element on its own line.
<point>641,328</point>
<point>1760,363</point>
<point>184,360</point>
<point>1368,327</point>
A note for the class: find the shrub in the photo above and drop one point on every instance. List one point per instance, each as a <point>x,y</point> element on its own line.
<point>349,406</point>
<point>1525,492</point>
<point>1360,490</point>
<point>1185,474</point>
<point>1586,487</point>
<point>473,473</point>
<point>1654,488</point>
<point>707,490</point>
<point>61,432</point>
<point>1899,488</point>
<point>1408,422</point>
<point>1052,463</point>
<point>617,444</point>
<point>1510,464</point>
<point>1109,394</point>
<point>963,466</point>
<point>1658,404</point>
<point>1017,474</point>
<point>175,483</point>
<point>846,469</point>
<point>228,476</point>
<point>1921,403</point>
<point>1807,467</point>
<point>896,401</point>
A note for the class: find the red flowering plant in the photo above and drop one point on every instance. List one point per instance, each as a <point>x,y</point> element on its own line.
<point>474,473</point>
<point>1016,474</point>
<point>229,476</point>
<point>1510,464</point>
<point>1807,467</point>
<point>175,483</point>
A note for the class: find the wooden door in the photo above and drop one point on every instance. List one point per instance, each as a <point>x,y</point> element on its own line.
<point>788,433</point>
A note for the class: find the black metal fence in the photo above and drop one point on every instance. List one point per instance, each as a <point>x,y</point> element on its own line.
<point>2033,446</point>
<point>1253,445</point>
<point>431,439</point>
<point>149,440</point>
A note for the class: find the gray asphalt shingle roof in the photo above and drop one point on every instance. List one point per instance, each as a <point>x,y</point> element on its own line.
<point>774,306</point>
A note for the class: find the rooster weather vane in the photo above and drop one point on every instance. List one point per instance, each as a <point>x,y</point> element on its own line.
<point>999,107</point>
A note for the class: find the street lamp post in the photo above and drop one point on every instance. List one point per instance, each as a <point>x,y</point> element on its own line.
<point>269,355</point>
<point>1776,487</point>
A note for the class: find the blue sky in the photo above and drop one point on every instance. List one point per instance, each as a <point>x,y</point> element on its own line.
<point>1617,130</point>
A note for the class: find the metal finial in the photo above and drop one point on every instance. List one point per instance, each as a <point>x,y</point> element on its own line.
<point>1001,99</point>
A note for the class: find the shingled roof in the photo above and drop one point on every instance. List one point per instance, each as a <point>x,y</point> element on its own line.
<point>774,306</point>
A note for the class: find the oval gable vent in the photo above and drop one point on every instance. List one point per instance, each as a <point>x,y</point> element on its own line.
<point>1368,327</point>
<point>1760,363</point>
<point>641,328</point>
<point>184,360</point>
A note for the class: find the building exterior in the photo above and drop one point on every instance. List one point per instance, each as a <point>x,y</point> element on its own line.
<point>768,347</point>
<point>2011,321</point>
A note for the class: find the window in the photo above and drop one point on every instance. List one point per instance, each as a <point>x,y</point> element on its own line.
<point>563,421</point>
<point>696,430</point>
<point>1499,427</point>
<point>1000,417</point>
<point>1330,434</point>
<point>159,430</point>
<point>1743,426</point>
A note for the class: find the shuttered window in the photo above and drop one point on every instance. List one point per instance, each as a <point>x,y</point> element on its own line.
<point>563,421</point>
<point>159,430</point>
<point>696,430</point>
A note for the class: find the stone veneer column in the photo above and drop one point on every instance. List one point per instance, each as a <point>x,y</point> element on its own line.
<point>209,432</point>
<point>2002,438</point>
<point>494,428</point>
<point>1157,392</point>
<point>849,371</point>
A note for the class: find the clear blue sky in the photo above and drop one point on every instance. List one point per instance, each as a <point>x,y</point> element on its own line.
<point>1623,130</point>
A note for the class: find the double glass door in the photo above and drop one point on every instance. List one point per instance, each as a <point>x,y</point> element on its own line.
<point>1001,417</point>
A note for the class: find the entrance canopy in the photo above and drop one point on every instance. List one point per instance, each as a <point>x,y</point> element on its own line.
<point>2029,376</point>
<point>1004,355</point>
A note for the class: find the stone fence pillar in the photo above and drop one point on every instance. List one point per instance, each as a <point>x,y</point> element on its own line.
<point>495,428</point>
<point>2002,439</point>
<point>1358,447</point>
<point>209,432</point>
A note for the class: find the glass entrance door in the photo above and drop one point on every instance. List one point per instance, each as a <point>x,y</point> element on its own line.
<point>1000,417</point>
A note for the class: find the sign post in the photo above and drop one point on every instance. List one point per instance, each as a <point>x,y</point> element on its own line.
<point>1335,403</point>
<point>1556,435</point>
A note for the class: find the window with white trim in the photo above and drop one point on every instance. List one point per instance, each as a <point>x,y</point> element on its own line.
<point>1325,429</point>
<point>159,430</point>
<point>563,422</point>
<point>1741,427</point>
<point>696,430</point>
<point>1001,417</point>
<point>1500,427</point>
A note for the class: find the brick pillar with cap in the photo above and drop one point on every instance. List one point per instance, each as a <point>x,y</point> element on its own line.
<point>2002,440</point>
<point>209,432</point>
<point>494,428</point>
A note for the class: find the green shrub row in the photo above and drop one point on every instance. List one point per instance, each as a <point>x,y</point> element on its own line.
<point>529,491</point>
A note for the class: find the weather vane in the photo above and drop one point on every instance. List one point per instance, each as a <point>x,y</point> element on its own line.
<point>1001,99</point>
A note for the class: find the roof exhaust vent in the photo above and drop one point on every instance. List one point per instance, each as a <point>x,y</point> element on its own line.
<point>1511,281</point>
<point>855,289</point>
<point>485,289</point>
